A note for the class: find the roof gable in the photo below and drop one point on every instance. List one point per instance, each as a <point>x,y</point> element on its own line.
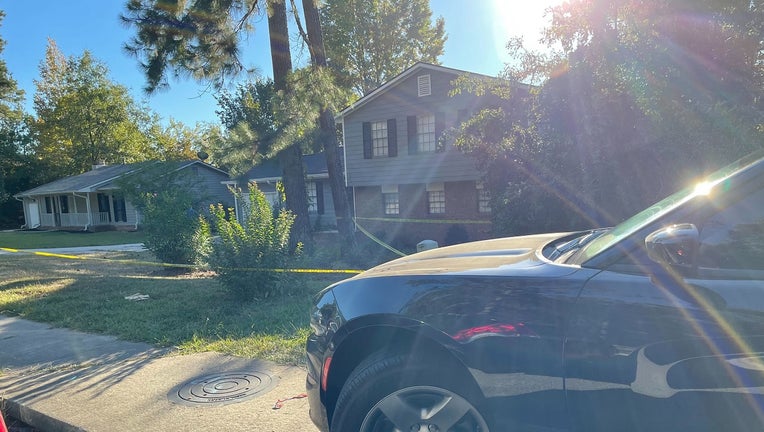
<point>417,68</point>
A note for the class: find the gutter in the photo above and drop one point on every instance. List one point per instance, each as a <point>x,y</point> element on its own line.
<point>24,226</point>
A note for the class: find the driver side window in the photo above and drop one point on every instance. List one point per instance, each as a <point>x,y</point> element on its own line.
<point>733,238</point>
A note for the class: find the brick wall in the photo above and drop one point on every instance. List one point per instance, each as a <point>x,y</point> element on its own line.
<point>415,223</point>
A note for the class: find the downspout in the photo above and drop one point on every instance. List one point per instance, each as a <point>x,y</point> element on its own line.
<point>345,156</point>
<point>355,211</point>
<point>87,207</point>
<point>236,208</point>
<point>26,216</point>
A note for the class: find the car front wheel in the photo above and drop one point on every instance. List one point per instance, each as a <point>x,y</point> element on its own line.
<point>389,393</point>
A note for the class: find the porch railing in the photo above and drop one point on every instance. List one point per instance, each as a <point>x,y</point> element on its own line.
<point>101,218</point>
<point>74,219</point>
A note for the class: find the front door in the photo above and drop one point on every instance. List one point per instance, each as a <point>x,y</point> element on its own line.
<point>651,351</point>
<point>34,215</point>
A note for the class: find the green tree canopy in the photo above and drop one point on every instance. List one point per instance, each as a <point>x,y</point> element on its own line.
<point>174,140</point>
<point>15,161</point>
<point>10,95</point>
<point>248,117</point>
<point>202,39</point>
<point>198,39</point>
<point>368,42</point>
<point>639,98</point>
<point>83,118</point>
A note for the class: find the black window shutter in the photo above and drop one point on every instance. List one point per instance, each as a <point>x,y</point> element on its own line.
<point>320,196</point>
<point>440,126</point>
<point>411,132</point>
<point>392,138</point>
<point>367,140</point>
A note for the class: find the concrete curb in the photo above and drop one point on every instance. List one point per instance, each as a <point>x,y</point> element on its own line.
<point>35,418</point>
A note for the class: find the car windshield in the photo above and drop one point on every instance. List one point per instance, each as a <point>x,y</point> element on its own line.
<point>657,210</point>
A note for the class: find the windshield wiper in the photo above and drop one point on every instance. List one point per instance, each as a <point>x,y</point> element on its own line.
<point>576,243</point>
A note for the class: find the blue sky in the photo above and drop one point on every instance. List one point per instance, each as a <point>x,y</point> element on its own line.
<point>476,36</point>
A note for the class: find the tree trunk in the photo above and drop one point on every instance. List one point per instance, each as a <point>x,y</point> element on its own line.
<point>290,158</point>
<point>328,134</point>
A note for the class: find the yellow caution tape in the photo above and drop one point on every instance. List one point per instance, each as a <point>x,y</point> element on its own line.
<point>378,241</point>
<point>189,266</point>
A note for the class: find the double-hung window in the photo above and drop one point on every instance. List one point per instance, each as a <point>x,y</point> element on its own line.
<point>391,199</point>
<point>436,198</point>
<point>310,187</point>
<point>379,143</point>
<point>424,131</point>
<point>425,128</point>
<point>380,139</point>
<point>315,191</point>
<point>484,198</point>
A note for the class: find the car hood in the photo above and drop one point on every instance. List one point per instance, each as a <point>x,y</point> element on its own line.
<point>497,256</point>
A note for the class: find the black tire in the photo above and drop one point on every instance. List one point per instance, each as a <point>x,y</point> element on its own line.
<point>390,392</point>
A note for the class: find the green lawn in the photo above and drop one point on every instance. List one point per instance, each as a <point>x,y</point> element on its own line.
<point>54,239</point>
<point>190,311</point>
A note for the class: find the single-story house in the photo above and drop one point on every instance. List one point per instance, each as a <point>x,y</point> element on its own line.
<point>93,200</point>
<point>267,174</point>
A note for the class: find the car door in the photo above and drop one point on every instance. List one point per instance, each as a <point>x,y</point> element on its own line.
<point>650,349</point>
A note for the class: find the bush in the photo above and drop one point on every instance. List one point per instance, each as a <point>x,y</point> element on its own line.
<point>246,254</point>
<point>170,224</point>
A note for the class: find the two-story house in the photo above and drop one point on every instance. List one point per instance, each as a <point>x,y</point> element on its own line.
<point>408,184</point>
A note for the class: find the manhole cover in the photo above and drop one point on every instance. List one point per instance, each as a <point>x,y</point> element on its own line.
<point>223,389</point>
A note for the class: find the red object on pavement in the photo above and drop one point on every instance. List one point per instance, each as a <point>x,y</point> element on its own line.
<point>280,402</point>
<point>3,427</point>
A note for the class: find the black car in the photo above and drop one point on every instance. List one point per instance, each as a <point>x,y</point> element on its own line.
<point>654,325</point>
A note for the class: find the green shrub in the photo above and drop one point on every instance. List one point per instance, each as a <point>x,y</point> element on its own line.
<point>246,254</point>
<point>170,224</point>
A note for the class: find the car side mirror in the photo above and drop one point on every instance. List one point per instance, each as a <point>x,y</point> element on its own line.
<point>674,246</point>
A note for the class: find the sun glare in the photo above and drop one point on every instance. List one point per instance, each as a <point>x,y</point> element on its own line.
<point>703,188</point>
<point>513,18</point>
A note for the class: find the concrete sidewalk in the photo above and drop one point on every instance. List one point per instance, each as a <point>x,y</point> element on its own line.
<point>132,247</point>
<point>62,380</point>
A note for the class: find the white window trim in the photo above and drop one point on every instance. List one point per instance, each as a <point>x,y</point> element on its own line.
<point>435,187</point>
<point>390,188</point>
<point>484,205</point>
<point>431,144</point>
<point>379,151</point>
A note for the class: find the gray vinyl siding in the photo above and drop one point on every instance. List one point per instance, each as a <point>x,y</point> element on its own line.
<point>133,215</point>
<point>398,103</point>
<point>211,190</point>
